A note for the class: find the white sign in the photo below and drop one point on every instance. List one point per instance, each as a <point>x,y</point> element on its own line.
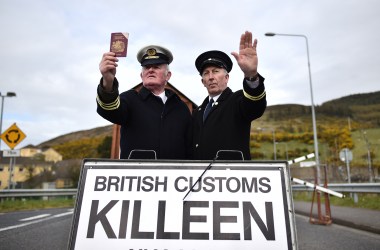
<point>345,153</point>
<point>12,153</point>
<point>141,205</point>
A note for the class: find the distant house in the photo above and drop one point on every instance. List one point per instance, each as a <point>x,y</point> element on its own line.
<point>34,165</point>
<point>24,168</point>
<point>30,151</point>
<point>52,155</point>
<point>48,154</point>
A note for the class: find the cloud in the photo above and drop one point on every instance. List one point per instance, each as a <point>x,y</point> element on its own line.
<point>50,52</point>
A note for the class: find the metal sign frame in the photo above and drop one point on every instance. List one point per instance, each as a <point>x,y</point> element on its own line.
<point>258,214</point>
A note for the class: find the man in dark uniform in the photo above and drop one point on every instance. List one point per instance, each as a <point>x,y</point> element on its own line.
<point>153,118</point>
<point>223,121</point>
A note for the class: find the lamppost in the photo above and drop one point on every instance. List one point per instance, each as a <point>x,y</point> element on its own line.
<point>312,102</point>
<point>368,156</point>
<point>9,94</point>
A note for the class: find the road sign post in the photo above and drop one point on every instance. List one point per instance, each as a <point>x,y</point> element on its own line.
<point>346,156</point>
<point>12,137</point>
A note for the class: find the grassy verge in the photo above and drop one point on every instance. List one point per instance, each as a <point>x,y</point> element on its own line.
<point>32,204</point>
<point>369,201</point>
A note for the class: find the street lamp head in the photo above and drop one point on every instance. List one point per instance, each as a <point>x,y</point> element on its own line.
<point>270,34</point>
<point>11,94</point>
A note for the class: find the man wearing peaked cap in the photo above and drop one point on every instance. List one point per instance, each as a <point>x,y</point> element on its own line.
<point>222,124</point>
<point>154,54</point>
<point>213,57</point>
<point>151,119</point>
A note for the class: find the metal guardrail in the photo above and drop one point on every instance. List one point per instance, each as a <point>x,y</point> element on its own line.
<point>338,187</point>
<point>345,187</point>
<point>9,193</point>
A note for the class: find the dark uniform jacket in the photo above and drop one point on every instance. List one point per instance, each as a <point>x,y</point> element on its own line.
<point>147,123</point>
<point>228,125</point>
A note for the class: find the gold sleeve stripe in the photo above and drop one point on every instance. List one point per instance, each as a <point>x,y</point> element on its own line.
<point>109,106</point>
<point>254,98</point>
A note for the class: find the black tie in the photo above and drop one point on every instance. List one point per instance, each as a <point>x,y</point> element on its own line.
<point>208,109</point>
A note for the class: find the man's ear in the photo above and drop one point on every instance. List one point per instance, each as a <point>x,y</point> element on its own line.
<point>168,75</point>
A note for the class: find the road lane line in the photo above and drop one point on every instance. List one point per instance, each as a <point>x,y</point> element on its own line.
<point>35,217</point>
<point>62,214</point>
<point>36,221</point>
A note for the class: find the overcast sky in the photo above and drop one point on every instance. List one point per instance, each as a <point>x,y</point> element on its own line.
<point>50,52</point>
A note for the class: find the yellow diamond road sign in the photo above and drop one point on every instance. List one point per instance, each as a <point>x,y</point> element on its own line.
<point>13,136</point>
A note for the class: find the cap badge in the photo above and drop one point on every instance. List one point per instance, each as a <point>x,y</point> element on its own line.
<point>151,52</point>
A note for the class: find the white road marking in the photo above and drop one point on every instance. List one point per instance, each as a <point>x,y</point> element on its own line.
<point>35,217</point>
<point>35,221</point>
<point>62,214</point>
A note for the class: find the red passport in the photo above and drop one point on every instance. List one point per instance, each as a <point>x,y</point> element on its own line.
<point>119,43</point>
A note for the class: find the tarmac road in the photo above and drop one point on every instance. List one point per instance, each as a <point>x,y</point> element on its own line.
<point>50,229</point>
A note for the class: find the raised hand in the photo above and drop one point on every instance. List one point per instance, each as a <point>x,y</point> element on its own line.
<point>247,56</point>
<point>107,67</point>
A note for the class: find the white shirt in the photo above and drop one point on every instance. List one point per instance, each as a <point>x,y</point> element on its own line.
<point>163,97</point>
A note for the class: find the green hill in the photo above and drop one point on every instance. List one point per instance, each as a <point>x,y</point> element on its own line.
<point>349,122</point>
<point>92,143</point>
<point>363,108</point>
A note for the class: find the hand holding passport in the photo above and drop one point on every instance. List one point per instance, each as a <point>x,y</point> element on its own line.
<point>119,43</point>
